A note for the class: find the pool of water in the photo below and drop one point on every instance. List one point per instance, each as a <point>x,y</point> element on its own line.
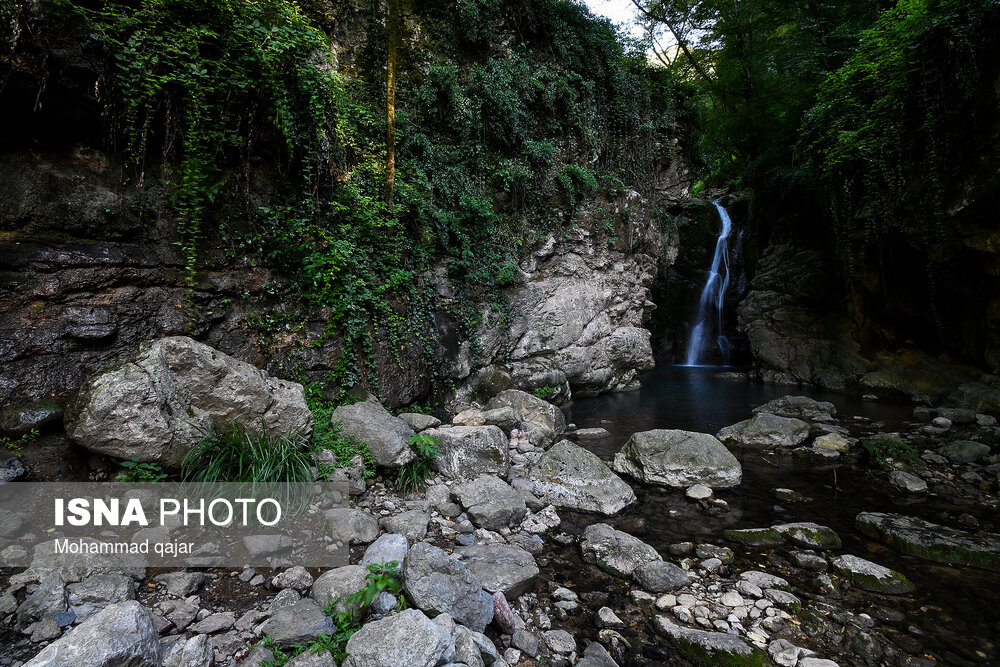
<point>958,608</point>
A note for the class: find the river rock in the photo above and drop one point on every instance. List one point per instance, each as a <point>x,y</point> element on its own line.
<point>615,551</point>
<point>756,537</point>
<point>532,410</point>
<point>419,422</point>
<point>412,524</point>
<point>158,404</point>
<point>904,481</point>
<point>388,548</point>
<point>387,437</point>
<point>964,451</point>
<point>709,648</point>
<point>468,452</point>
<point>195,652</point>
<point>491,503</point>
<point>336,585</point>
<point>351,525</point>
<point>406,639</point>
<point>569,476</point>
<point>121,635</point>
<point>97,592</point>
<point>799,407</point>
<point>298,623</point>
<point>931,541</point>
<point>501,567</point>
<point>765,430</point>
<point>834,442</point>
<point>678,459</point>
<point>659,576</point>
<point>871,576</point>
<point>46,601</point>
<point>19,420</point>
<point>441,584</point>
<point>297,578</point>
<point>809,535</point>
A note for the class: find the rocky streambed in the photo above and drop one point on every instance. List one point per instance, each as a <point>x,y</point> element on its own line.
<point>796,536</point>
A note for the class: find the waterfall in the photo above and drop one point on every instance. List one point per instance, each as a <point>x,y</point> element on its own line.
<point>712,295</point>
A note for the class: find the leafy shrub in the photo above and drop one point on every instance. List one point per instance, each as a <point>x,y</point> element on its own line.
<point>135,471</point>
<point>16,445</point>
<point>882,450</point>
<point>545,392</point>
<point>413,475</point>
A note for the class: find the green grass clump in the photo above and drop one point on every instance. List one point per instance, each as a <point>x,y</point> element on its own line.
<point>413,475</point>
<point>232,452</point>
<point>134,471</point>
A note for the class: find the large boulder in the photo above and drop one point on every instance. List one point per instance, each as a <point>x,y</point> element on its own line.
<point>615,551</point>
<point>298,623</point>
<point>569,476</point>
<point>406,639</point>
<point>678,459</point>
<point>158,404</point>
<point>121,635</point>
<point>530,409</point>
<point>491,503</point>
<point>710,648</point>
<point>871,576</point>
<point>470,451</point>
<point>441,584</point>
<point>765,430</point>
<point>799,407</point>
<point>501,567</point>
<point>351,525</point>
<point>387,437</point>
<point>931,541</point>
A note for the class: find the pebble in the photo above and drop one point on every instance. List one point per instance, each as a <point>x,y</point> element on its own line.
<point>607,618</point>
<point>699,492</point>
<point>732,599</point>
<point>665,602</point>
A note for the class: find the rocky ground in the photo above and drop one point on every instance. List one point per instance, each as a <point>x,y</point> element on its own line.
<point>492,573</point>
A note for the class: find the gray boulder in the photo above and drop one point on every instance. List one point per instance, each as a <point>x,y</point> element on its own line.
<point>195,652</point>
<point>298,623</point>
<point>964,451</point>
<point>809,535</point>
<point>388,548</point>
<point>121,635</point>
<point>470,451</point>
<point>931,541</point>
<point>412,524</point>
<point>871,576</point>
<point>532,410</point>
<point>46,601</point>
<point>907,482</point>
<point>657,576</point>
<point>569,476</point>
<point>678,459</point>
<point>615,551</point>
<point>406,639</point>
<point>351,525</point>
<point>441,584</point>
<point>501,567</point>
<point>419,422</point>
<point>157,405</point>
<point>335,586</point>
<point>799,407</point>
<point>491,503</point>
<point>387,437</point>
<point>97,592</point>
<point>765,430</point>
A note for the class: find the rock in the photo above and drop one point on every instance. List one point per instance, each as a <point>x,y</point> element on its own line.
<point>297,578</point>
<point>181,584</point>
<point>387,437</point>
<point>419,422</point>
<point>871,576</point>
<point>614,551</point>
<point>412,524</point>
<point>491,503</point>
<point>799,407</point>
<point>156,405</point>
<point>607,618</point>
<point>591,433</point>
<point>816,662</point>
<point>595,655</point>
<point>755,537</point>
<point>532,410</point>
<point>45,630</point>
<point>312,659</point>
<point>214,623</point>
<point>335,586</point>
<point>904,481</point>
<point>195,652</point>
<point>502,417</point>
<point>658,576</point>
<point>121,635</point>
<point>18,420</point>
<point>47,600</point>
<point>809,535</point>
<point>786,654</point>
<point>438,583</point>
<point>964,451</point>
<point>388,548</point>
<point>834,442</point>
<point>351,526</point>
<point>931,541</point>
<point>678,459</point>
<point>525,641</point>
<point>406,639</point>
<point>699,492</point>
<point>763,580</point>
<point>541,521</point>
<point>941,422</point>
<point>262,547</point>
<point>502,613</point>
<point>471,417</point>
<point>298,623</point>
<point>501,567</point>
<point>11,469</point>
<point>710,648</point>
<point>570,476</point>
<point>765,430</point>
<point>468,452</point>
<point>957,415</point>
<point>382,604</point>
<point>97,592</point>
<point>258,657</point>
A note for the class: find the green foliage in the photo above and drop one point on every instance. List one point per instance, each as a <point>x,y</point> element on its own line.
<point>381,577</point>
<point>883,450</point>
<point>326,435</point>
<point>232,452</point>
<point>413,475</point>
<point>334,644</point>
<point>545,392</point>
<point>135,471</point>
<point>17,445</point>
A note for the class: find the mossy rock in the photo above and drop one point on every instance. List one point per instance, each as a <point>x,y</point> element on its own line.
<point>871,576</point>
<point>711,649</point>
<point>755,537</point>
<point>930,541</point>
<point>809,535</point>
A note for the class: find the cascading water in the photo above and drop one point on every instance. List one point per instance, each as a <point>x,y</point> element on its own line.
<point>712,296</point>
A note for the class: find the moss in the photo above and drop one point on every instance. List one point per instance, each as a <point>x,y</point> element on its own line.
<point>944,553</point>
<point>755,537</point>
<point>703,656</point>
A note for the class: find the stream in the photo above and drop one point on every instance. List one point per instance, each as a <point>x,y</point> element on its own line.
<point>955,611</point>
